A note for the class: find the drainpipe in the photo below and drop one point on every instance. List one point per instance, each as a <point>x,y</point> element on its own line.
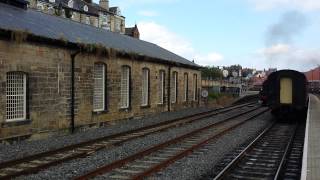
<point>72,124</point>
<point>169,88</point>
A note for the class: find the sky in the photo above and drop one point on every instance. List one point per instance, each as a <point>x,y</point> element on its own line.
<point>261,34</point>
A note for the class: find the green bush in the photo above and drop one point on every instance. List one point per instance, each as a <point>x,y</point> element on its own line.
<point>214,95</point>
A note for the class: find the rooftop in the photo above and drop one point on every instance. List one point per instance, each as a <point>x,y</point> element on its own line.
<point>55,28</point>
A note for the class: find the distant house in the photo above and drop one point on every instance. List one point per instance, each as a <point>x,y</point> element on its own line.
<point>133,32</point>
<point>84,11</point>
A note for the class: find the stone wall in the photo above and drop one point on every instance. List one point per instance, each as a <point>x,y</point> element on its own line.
<point>49,76</point>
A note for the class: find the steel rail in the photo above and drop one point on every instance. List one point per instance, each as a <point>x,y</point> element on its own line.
<point>141,154</point>
<point>157,127</point>
<point>239,157</point>
<point>283,160</point>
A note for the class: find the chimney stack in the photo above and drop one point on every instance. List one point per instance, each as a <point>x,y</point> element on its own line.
<point>104,4</point>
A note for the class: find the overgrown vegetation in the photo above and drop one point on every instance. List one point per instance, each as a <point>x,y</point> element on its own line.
<point>212,72</point>
<point>19,36</point>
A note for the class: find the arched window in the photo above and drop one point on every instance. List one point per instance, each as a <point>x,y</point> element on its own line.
<point>195,87</point>
<point>185,79</point>
<point>125,87</point>
<point>145,87</point>
<point>16,96</point>
<point>161,86</point>
<point>99,94</point>
<point>174,87</point>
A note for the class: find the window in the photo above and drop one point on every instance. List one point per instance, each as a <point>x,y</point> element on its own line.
<point>85,8</point>
<point>105,22</point>
<point>125,86</point>
<point>195,87</point>
<point>185,98</point>
<point>99,87</point>
<point>161,86</point>
<point>70,4</point>
<point>174,88</point>
<point>87,20</point>
<point>16,96</point>
<point>145,87</point>
<point>117,25</point>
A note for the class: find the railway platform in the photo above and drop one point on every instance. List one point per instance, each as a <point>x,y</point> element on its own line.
<point>311,153</point>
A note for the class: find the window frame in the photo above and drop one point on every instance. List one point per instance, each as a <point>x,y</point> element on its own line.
<point>145,87</point>
<point>174,97</point>
<point>195,87</point>
<point>162,85</point>
<point>128,95</point>
<point>186,84</point>
<point>104,95</point>
<point>25,99</point>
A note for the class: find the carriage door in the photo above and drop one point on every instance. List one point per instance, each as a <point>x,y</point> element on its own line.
<point>286,91</point>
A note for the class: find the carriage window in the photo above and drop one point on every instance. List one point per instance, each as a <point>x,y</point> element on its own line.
<point>125,86</point>
<point>16,96</point>
<point>185,87</point>
<point>174,88</point>
<point>99,87</point>
<point>145,87</point>
<point>161,86</point>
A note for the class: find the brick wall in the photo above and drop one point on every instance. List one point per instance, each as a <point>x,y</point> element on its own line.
<point>49,73</point>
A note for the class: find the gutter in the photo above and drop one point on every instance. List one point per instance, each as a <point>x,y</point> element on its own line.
<point>169,88</point>
<point>72,123</point>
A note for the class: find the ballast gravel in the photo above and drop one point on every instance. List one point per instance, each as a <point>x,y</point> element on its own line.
<point>79,167</point>
<point>25,148</point>
<point>197,166</point>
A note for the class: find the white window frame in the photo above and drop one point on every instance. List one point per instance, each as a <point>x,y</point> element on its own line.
<point>161,86</point>
<point>185,78</point>
<point>195,84</point>
<point>145,87</point>
<point>85,8</point>
<point>70,3</point>
<point>125,87</point>
<point>174,87</point>
<point>99,78</point>
<point>12,98</point>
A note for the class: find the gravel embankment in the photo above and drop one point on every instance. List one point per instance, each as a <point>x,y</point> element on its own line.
<point>24,148</point>
<point>81,166</point>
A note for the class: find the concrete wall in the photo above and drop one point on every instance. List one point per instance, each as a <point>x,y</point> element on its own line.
<point>49,76</point>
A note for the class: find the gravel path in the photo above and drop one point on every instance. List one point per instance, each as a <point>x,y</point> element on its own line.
<point>80,166</point>
<point>24,148</point>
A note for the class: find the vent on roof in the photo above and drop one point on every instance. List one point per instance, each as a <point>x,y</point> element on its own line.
<point>18,3</point>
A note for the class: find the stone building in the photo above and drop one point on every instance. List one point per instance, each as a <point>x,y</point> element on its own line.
<point>133,32</point>
<point>84,11</point>
<point>53,78</point>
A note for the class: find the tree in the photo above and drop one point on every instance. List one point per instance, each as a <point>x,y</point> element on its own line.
<point>213,73</point>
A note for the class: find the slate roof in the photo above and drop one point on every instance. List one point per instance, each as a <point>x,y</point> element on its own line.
<point>44,25</point>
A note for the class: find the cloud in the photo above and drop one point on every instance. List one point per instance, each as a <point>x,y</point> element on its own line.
<point>148,13</point>
<point>290,25</point>
<point>304,5</point>
<point>209,59</point>
<point>288,56</point>
<point>162,36</point>
<point>275,50</point>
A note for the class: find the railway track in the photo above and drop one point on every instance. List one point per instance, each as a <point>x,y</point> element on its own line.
<point>155,158</point>
<point>275,154</point>
<point>34,163</point>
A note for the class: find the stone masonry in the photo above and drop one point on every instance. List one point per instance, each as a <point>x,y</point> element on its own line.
<point>48,70</point>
